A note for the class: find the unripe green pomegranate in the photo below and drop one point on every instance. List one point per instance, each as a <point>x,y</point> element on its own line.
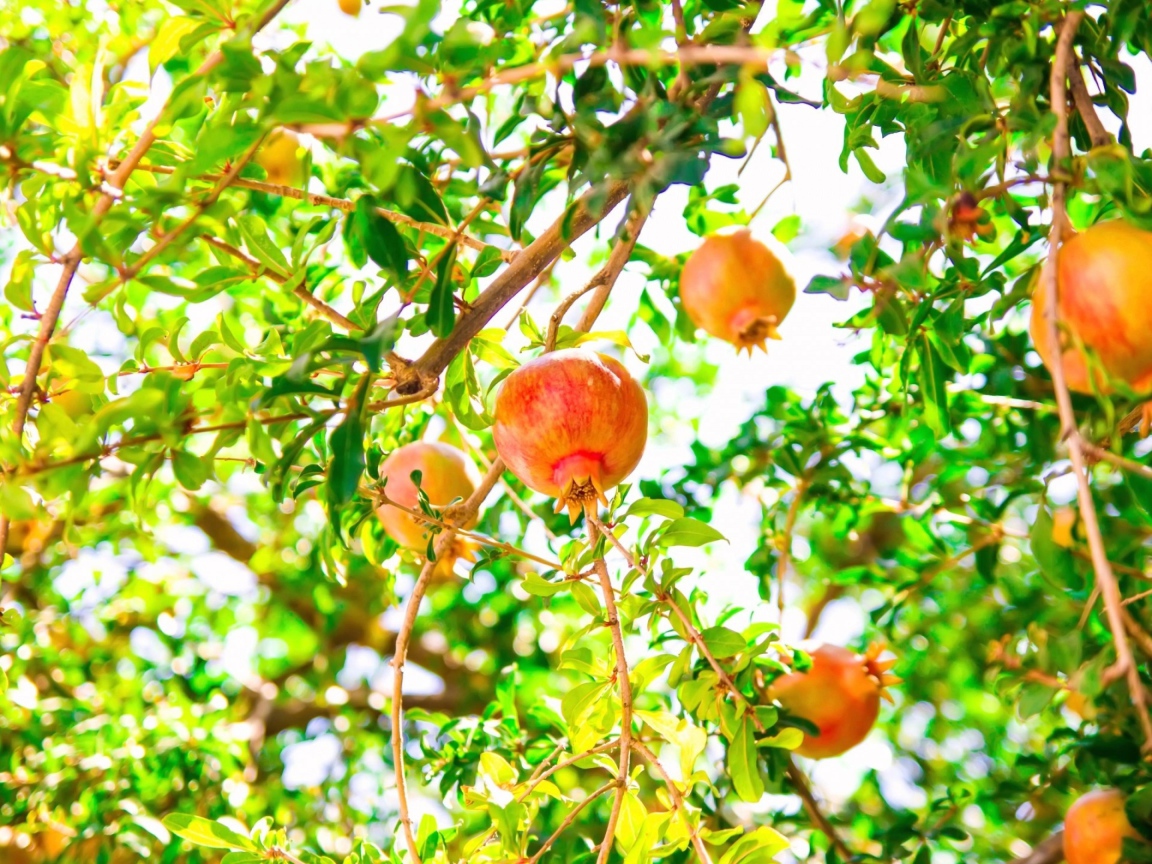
<point>734,288</point>
<point>571,424</point>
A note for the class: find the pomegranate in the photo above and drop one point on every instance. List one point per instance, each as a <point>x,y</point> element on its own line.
<point>1105,278</point>
<point>280,159</point>
<point>734,288</point>
<point>571,424</point>
<point>840,694</point>
<point>350,7</point>
<point>1095,827</point>
<point>445,476</point>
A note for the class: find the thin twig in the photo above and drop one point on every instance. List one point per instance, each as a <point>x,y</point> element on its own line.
<point>1082,99</point>
<point>345,205</point>
<point>443,544</point>
<point>677,799</point>
<point>569,819</point>
<point>814,812</point>
<point>1105,578</point>
<point>300,291</point>
<point>625,688</point>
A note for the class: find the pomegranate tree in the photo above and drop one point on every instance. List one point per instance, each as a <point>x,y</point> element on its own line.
<point>571,424</point>
<point>734,288</point>
<point>1105,279</point>
<point>840,694</point>
<point>1095,827</point>
<point>445,476</point>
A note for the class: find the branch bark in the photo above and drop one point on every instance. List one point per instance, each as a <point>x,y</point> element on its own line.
<point>1082,99</point>
<point>1105,578</point>
<point>572,224</point>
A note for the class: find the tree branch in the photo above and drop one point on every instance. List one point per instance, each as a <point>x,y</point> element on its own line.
<point>677,799</point>
<point>572,224</point>
<point>1048,851</point>
<point>1086,109</point>
<point>1105,578</point>
<point>71,260</point>
<point>625,687</point>
<point>467,510</point>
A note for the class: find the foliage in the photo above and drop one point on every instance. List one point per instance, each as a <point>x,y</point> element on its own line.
<point>199,606</point>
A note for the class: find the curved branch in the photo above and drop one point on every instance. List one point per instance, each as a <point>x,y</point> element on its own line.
<point>677,799</point>
<point>1105,578</point>
<point>1082,99</point>
<point>404,637</point>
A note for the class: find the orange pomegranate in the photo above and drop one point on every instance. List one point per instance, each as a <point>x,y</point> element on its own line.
<point>444,477</point>
<point>840,695</point>
<point>1095,827</point>
<point>350,7</point>
<point>281,158</point>
<point>1105,279</point>
<point>734,288</point>
<point>571,424</point>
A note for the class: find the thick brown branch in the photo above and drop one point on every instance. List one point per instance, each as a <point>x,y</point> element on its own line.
<point>572,224</point>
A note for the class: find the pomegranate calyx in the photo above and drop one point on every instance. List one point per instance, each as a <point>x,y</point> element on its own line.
<point>578,477</point>
<point>878,670</point>
<point>754,331</point>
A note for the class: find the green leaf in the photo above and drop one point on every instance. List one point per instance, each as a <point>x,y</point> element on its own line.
<point>191,470</point>
<point>541,587</point>
<point>205,832</point>
<point>743,764</point>
<point>933,379</point>
<point>723,642</point>
<point>261,245</point>
<point>655,507</point>
<point>868,166</point>
<point>347,464</point>
<point>441,305</point>
<point>579,701</point>
<point>787,229</point>
<point>379,236</point>
<point>758,847</point>
<point>688,532</point>
<point>1054,560</point>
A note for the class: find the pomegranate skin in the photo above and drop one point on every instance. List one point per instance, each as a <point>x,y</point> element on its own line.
<point>1095,827</point>
<point>840,694</point>
<point>571,424</point>
<point>445,476</point>
<point>1105,280</point>
<point>734,288</point>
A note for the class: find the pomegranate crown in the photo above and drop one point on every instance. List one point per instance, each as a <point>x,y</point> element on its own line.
<point>878,670</point>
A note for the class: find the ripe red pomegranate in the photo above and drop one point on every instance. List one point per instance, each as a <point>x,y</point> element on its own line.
<point>444,476</point>
<point>736,289</point>
<point>571,424</point>
<point>1095,827</point>
<point>1105,280</point>
<point>840,694</point>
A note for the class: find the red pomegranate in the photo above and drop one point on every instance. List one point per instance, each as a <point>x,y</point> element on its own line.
<point>1105,281</point>
<point>571,424</point>
<point>1095,827</point>
<point>840,694</point>
<point>445,476</point>
<point>734,288</point>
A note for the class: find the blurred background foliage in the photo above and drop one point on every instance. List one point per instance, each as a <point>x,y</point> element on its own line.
<point>199,608</point>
